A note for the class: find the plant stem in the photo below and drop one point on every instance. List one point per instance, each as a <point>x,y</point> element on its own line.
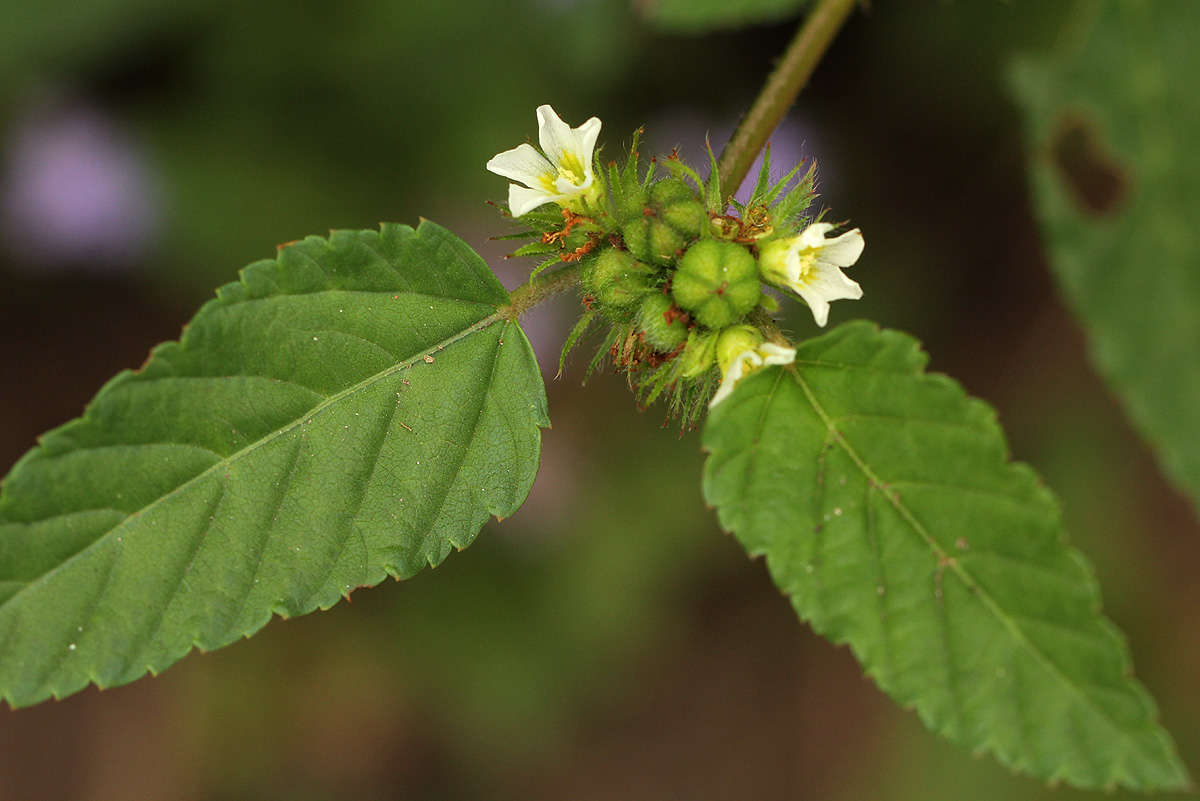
<point>780,90</point>
<point>530,294</point>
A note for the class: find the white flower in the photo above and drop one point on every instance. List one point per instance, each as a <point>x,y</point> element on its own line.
<point>811,266</point>
<point>750,360</point>
<point>563,175</point>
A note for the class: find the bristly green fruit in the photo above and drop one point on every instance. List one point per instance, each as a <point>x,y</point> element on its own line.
<point>688,217</point>
<point>663,327</point>
<point>653,241</point>
<point>665,243</point>
<point>700,354</point>
<point>717,282</point>
<point>676,204</point>
<point>616,279</point>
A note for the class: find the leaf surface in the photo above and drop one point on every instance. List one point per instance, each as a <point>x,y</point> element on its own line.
<point>350,410</point>
<point>1113,118</point>
<point>884,502</point>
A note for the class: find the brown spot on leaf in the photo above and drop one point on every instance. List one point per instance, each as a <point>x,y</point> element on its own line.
<point>1095,180</point>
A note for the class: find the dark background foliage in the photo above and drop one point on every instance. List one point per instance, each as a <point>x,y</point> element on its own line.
<point>608,641</point>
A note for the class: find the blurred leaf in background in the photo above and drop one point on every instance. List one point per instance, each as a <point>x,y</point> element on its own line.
<point>696,16</point>
<point>1114,117</point>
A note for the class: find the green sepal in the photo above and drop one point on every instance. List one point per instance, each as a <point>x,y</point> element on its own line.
<point>713,193</point>
<point>577,332</point>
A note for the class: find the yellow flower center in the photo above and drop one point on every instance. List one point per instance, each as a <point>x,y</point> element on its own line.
<point>808,266</point>
<point>571,169</point>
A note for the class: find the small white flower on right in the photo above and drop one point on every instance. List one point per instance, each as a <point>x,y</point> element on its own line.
<point>740,352</point>
<point>811,266</point>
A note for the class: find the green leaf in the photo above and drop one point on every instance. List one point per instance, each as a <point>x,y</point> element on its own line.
<point>351,410</point>
<point>697,16</point>
<point>1114,118</point>
<point>887,509</point>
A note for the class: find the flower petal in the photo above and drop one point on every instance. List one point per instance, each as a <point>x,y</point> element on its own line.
<point>818,305</point>
<point>587,135</point>
<point>843,250</point>
<point>555,136</point>
<point>776,354</point>
<point>812,237</point>
<point>523,163</point>
<point>522,200</point>
<point>828,283</point>
<point>734,374</point>
<point>568,188</point>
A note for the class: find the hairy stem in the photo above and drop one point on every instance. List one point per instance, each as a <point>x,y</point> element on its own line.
<point>530,294</point>
<point>780,90</point>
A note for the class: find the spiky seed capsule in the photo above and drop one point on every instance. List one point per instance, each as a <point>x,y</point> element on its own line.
<point>717,282</point>
<point>664,329</point>
<point>616,279</point>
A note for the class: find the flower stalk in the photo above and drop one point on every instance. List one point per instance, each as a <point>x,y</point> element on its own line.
<point>780,90</point>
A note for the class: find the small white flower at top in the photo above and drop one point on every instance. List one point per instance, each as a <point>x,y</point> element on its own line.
<point>563,175</point>
<point>811,266</point>
<point>740,352</point>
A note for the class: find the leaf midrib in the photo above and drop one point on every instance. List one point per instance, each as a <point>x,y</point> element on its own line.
<point>947,561</point>
<point>262,441</point>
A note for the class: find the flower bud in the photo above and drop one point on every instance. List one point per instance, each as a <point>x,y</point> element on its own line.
<point>616,279</point>
<point>717,282</point>
<point>699,355</point>
<point>663,326</point>
<point>734,341</point>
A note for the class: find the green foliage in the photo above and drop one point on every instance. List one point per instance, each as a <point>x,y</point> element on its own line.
<point>697,16</point>
<point>294,445</point>
<point>1114,117</point>
<point>884,502</point>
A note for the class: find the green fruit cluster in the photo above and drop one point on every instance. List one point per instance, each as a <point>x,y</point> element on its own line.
<point>669,287</point>
<point>671,217</point>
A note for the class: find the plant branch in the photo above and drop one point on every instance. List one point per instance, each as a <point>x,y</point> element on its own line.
<point>780,90</point>
<point>530,294</point>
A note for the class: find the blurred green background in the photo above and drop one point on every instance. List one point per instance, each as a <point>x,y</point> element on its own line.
<point>607,642</point>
